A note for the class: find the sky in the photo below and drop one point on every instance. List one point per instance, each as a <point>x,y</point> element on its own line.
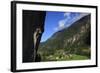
<point>56,21</point>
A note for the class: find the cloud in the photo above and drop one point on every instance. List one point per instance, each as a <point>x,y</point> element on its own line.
<point>61,25</point>
<point>69,18</point>
<point>55,29</point>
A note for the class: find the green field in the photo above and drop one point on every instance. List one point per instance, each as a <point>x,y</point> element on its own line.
<point>60,55</point>
<point>64,58</point>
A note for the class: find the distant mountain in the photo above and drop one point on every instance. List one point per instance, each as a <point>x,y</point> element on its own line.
<point>75,39</point>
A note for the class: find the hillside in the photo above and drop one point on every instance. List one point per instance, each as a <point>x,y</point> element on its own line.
<point>72,43</point>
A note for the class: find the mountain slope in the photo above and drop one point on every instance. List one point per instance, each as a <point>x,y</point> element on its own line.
<point>72,40</point>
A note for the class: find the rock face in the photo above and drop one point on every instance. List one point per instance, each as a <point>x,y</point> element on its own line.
<point>31,21</point>
<point>75,39</point>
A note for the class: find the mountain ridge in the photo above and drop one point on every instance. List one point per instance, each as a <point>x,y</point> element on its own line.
<point>72,39</point>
